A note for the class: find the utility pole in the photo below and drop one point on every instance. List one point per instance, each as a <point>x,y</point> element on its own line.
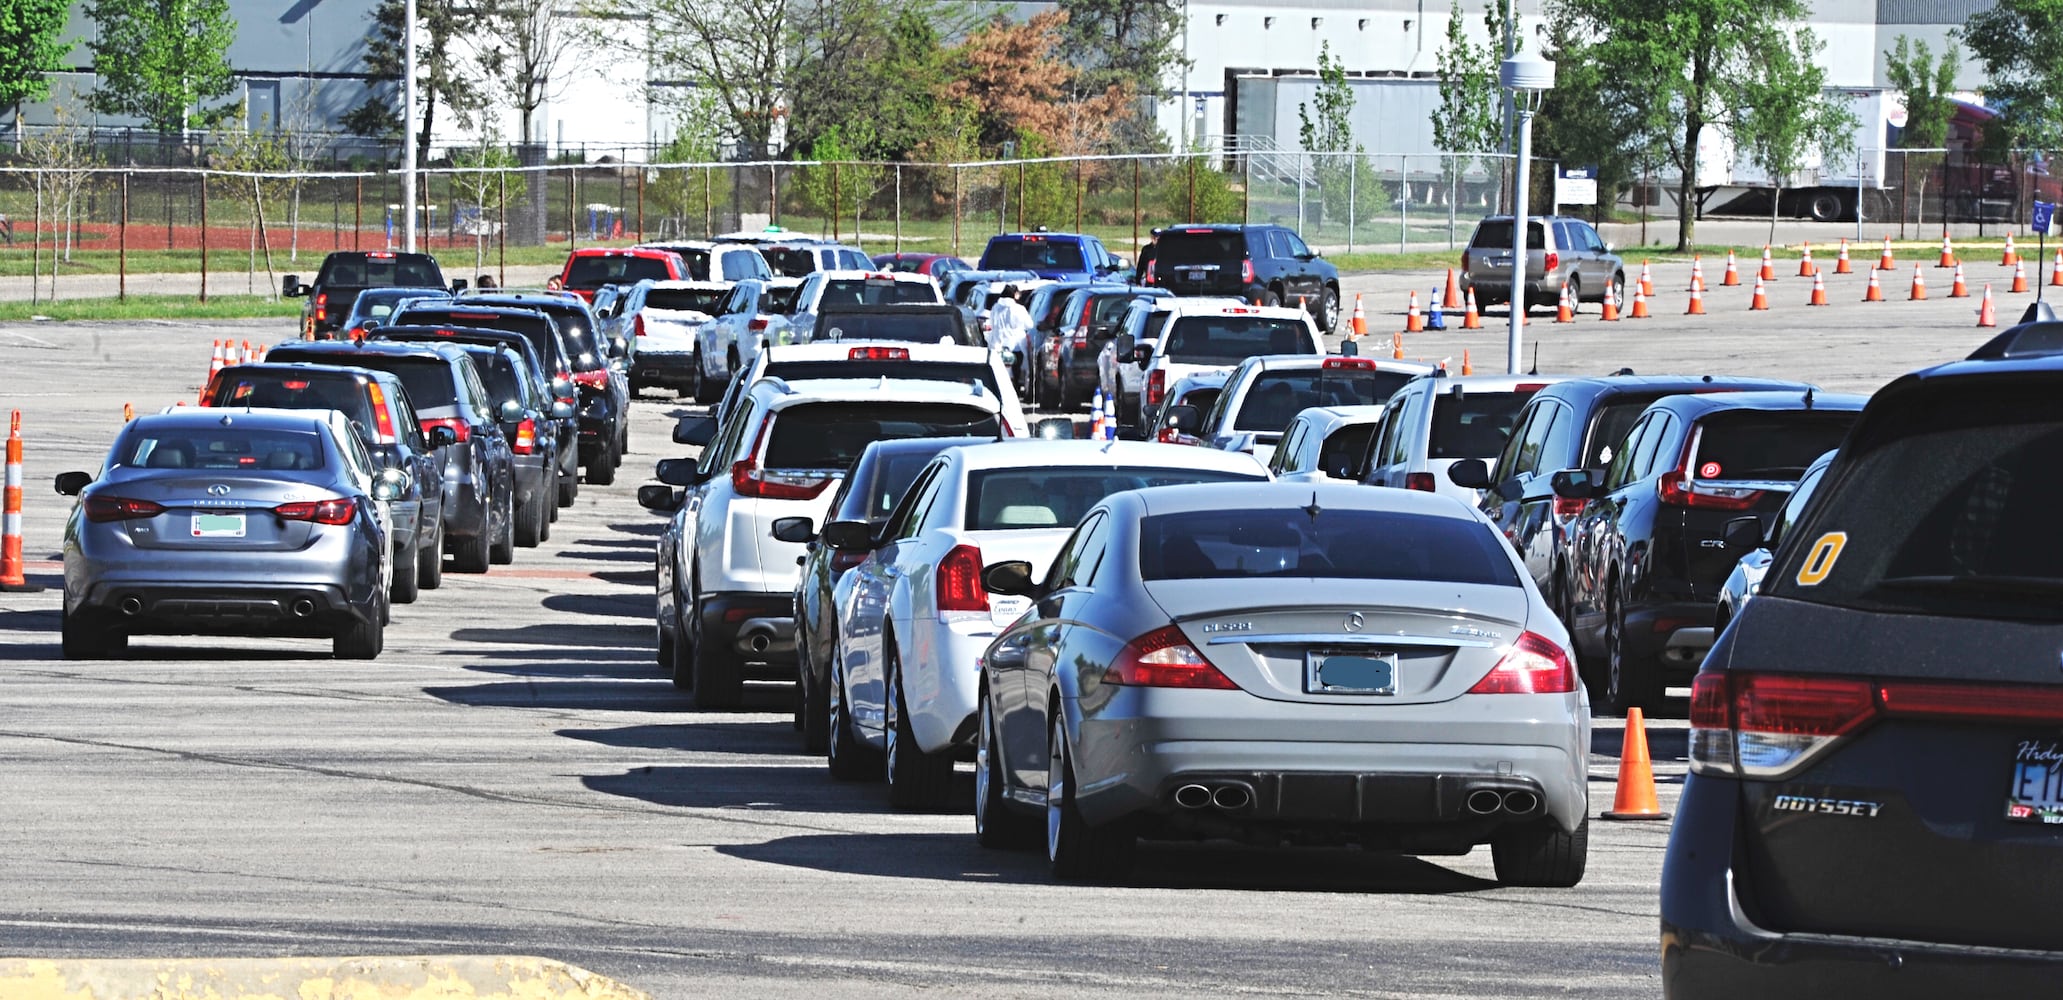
<point>408,140</point>
<point>1182,99</point>
<point>1504,97</point>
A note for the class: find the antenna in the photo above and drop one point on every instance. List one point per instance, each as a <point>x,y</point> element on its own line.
<point>1313,510</point>
<point>1808,397</point>
<point>1536,358</point>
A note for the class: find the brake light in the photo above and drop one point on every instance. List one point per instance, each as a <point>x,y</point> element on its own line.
<point>569,399</point>
<point>1246,272</point>
<point>380,254</point>
<point>1147,278</point>
<point>959,581</point>
<point>597,379</point>
<point>1567,508</point>
<point>749,481</point>
<point>878,354</point>
<point>1164,658</point>
<point>1678,490</point>
<point>103,509</point>
<point>382,421</point>
<point>1534,664</point>
<point>637,325</point>
<point>459,428</point>
<point>1356,364</point>
<point>758,323</point>
<point>1764,725</point>
<point>1169,435</point>
<point>294,384</point>
<point>1553,260</point>
<point>357,335</point>
<point>460,315</point>
<point>1464,262</point>
<point>1422,481</point>
<point>336,511</point>
<point>322,300</point>
<point>526,437</point>
<point>842,560</point>
<point>1156,386</point>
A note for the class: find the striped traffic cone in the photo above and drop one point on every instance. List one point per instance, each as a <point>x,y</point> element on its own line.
<point>1697,306</point>
<point>1919,293</point>
<point>1467,367</point>
<point>1453,297</point>
<point>2056,272</point>
<point>1875,293</point>
<point>1986,314</point>
<point>1413,322</point>
<point>1885,263</point>
<point>1562,311</point>
<point>1611,309</point>
<point>1640,304</point>
<point>215,361</point>
<point>1470,320</point>
<point>1768,272</point>
<point>1109,418</point>
<point>1732,276</point>
<point>1956,288</point>
<point>2019,276</point>
<point>1697,274</point>
<point>12,575</point>
<point>1760,301</point>
<point>1819,290</point>
<point>1397,346</point>
<point>128,412</point>
<point>1647,280</point>
<point>1841,262</point>
<point>1096,416</point>
<point>1360,326</point>
<point>1948,252</point>
<point>2011,256</point>
<point>1805,265</point>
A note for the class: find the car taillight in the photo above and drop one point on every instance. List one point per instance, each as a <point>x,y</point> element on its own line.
<point>1164,658</point>
<point>842,560</point>
<point>1422,481</point>
<point>1566,508</point>
<point>322,312</point>
<point>337,511</point>
<point>1156,386</point>
<point>459,428</point>
<point>1246,272</point>
<point>1356,364</point>
<point>959,581</point>
<point>104,509</point>
<point>878,354</point>
<point>597,379</point>
<point>526,437</point>
<point>1678,490</point>
<point>383,422</point>
<point>749,481</point>
<point>637,325</point>
<point>1169,435</point>
<point>1764,725</point>
<point>357,335</point>
<point>569,400</point>
<point>757,325</point>
<point>1147,278</point>
<point>1553,260</point>
<point>1532,665</point>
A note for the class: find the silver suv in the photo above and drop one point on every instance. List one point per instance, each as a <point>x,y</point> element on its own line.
<point>1559,249</point>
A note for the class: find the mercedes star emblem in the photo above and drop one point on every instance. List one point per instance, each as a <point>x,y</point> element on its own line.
<point>1355,621</point>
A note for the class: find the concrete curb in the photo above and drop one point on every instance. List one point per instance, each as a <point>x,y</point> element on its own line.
<point>418,977</point>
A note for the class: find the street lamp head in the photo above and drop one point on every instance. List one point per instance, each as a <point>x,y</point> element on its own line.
<point>1527,73</point>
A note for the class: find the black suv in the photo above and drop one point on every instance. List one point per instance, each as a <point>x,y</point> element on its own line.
<point>604,387</point>
<point>1088,318</point>
<point>1572,425</point>
<point>1649,551</point>
<point>554,351</point>
<point>1876,773</point>
<point>446,391</point>
<point>379,409</point>
<point>346,273</point>
<point>1265,263</point>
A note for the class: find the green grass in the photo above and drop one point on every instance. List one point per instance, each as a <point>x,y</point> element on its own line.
<point>17,261</point>
<point>142,307</point>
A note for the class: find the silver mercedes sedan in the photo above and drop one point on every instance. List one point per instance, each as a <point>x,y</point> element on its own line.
<point>211,521</point>
<point>1321,664</point>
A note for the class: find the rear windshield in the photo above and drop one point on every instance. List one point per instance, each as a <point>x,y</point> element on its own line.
<point>1202,399</point>
<point>778,300</point>
<point>498,373</point>
<point>1108,310</point>
<point>1952,515</point>
<point>1608,428</point>
<point>1477,424</point>
<point>913,328</point>
<point>540,331</point>
<point>860,291</point>
<point>1344,544</point>
<point>594,272</point>
<point>1032,255</point>
<point>1228,340</point>
<point>686,299</point>
<point>223,448</point>
<point>831,435</point>
<point>907,265</point>
<point>311,391</point>
<point>1209,247</point>
<point>1277,397</point>
<point>1778,446</point>
<point>937,371</point>
<point>1493,235</point>
<point>789,262</point>
<point>355,271</point>
<point>1005,499</point>
<point>1343,450</point>
<point>429,381</point>
<point>892,475</point>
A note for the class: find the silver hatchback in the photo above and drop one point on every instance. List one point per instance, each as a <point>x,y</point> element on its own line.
<point>1559,249</point>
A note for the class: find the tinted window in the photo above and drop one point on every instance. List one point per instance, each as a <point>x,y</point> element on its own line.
<point>498,374</point>
<point>739,266</point>
<point>222,448</point>
<point>375,271</point>
<point>685,299</point>
<point>1205,246</point>
<point>1345,544</point>
<point>1766,445</point>
<point>778,299</point>
<point>1343,450</point>
<point>914,328</point>
<point>697,262</point>
<point>1608,427</point>
<point>1496,235</point>
<point>1275,398</point>
<point>790,262</point>
<point>543,336</point>
<point>594,272</point>
<point>831,435</point>
<point>892,477</point>
<point>1231,339</point>
<point>1002,499</point>
<point>429,382</point>
<point>1033,255</point>
<point>859,291</point>
<point>311,391</point>
<point>1202,399</point>
<point>937,371</point>
<point>1474,424</point>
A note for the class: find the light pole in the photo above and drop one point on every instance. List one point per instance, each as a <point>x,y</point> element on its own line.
<point>1527,76</point>
<point>408,151</point>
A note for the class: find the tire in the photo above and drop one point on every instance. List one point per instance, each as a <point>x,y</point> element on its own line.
<point>996,826</point>
<point>569,487</point>
<point>81,642</point>
<point>816,726</point>
<point>469,555</point>
<point>1540,854</point>
<point>1575,294</point>
<point>1329,310</point>
<point>706,390</point>
<point>664,657</point>
<point>429,561</point>
<point>1619,289</point>
<point>719,677</point>
<point>530,521</point>
<point>1628,684</point>
<point>1270,298</point>
<point>682,666</point>
<point>408,569</point>
<point>501,550</point>
<point>362,640</point>
<point>622,436</point>
<point>847,758</point>
<point>1077,851</point>
<point>916,780</point>
<point>602,471</point>
<point>1827,206</point>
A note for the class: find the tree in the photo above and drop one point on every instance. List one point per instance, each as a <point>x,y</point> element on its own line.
<point>2020,43</point>
<point>1911,68</point>
<point>1129,44</point>
<point>1674,76</point>
<point>63,155</point>
<point>1324,126</point>
<point>1012,78</point>
<point>734,51</point>
<point>161,59</point>
<point>442,76</point>
<point>872,61</point>
<point>532,49</point>
<point>1470,115</point>
<point>1785,115</point>
<point>1581,121</point>
<point>31,48</point>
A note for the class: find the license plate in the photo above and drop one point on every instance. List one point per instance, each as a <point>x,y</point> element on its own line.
<point>1350,673</point>
<point>1005,609</point>
<point>218,526</point>
<point>2036,795</point>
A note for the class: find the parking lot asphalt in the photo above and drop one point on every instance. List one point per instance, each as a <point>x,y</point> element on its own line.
<point>513,775</point>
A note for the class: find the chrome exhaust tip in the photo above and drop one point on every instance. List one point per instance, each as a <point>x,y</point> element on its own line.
<point>760,641</point>
<point>302,607</point>
<point>1483,802</point>
<point>1232,797</point>
<point>131,605</point>
<point>1521,802</point>
<point>1192,796</point>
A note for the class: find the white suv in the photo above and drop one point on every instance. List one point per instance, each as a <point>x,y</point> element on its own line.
<point>1437,420</point>
<point>1203,334</point>
<point>874,288</point>
<point>754,314</point>
<point>666,318</point>
<point>726,586</point>
<point>1123,378</point>
<point>871,359</point>
<point>1264,394</point>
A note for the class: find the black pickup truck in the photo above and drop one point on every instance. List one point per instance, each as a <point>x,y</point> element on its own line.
<point>914,323</point>
<point>346,273</point>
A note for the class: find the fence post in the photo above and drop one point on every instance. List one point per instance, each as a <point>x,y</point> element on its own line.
<point>1353,198</point>
<point>708,201</point>
<point>836,207</point>
<point>501,231</point>
<point>1403,204</point>
<point>641,203</point>
<point>1078,196</point>
<point>204,237</point>
<point>1189,165</point>
<point>1020,196</point>
<point>956,211</point>
<point>36,247</point>
<point>1246,189</point>
<point>773,195</point>
<point>167,189</point>
<point>357,211</point>
<point>122,245</point>
<point>572,208</point>
<point>1303,167</point>
<point>1135,209</point>
<point>898,208</point>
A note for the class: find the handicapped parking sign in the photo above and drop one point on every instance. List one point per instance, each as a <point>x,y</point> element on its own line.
<point>2044,217</point>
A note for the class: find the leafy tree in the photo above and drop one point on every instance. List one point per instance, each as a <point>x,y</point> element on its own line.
<point>682,193</point>
<point>828,191</point>
<point>1785,115</point>
<point>1129,44</point>
<point>735,51</point>
<point>2020,43</point>
<point>531,52</point>
<point>1012,78</point>
<point>442,78</point>
<point>160,59</point>
<point>873,61</point>
<point>1911,68</point>
<point>482,188</point>
<point>1470,115</point>
<point>1581,121</point>
<point>1324,126</point>
<point>31,47</point>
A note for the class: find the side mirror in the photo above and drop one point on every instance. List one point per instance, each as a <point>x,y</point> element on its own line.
<point>794,530</point>
<point>1012,577</point>
<point>1181,418</point>
<point>1743,535</point>
<point>675,471</point>
<point>1611,248</point>
<point>561,411</point>
<point>1142,354</point>
<point>1126,346</point>
<point>392,484</point>
<point>850,536</point>
<point>458,285</point>
<point>1576,484</point>
<point>1469,473</point>
<point>660,498</point>
<point>291,287</point>
<point>441,436</point>
<point>562,387</point>
<point>1119,262</point>
<point>1054,429</point>
<point>697,431</point>
<point>510,411</point>
<point>72,483</point>
<point>1510,489</point>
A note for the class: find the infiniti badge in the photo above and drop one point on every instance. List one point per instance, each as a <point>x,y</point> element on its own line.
<point>218,490</point>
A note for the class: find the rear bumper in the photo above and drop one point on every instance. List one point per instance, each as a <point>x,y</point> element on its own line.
<point>649,367</point>
<point>1673,635</point>
<point>740,621</point>
<point>175,608</point>
<point>535,473</point>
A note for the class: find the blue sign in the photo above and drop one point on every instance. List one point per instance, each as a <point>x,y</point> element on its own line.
<point>2044,216</point>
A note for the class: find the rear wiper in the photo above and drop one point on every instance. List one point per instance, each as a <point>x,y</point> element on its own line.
<point>2009,586</point>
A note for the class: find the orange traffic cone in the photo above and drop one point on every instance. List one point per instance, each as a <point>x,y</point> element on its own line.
<point>128,412</point>
<point>1919,293</point>
<point>244,357</point>
<point>1986,315</point>
<point>1885,263</point>
<point>215,361</point>
<point>2011,256</point>
<point>1948,253</point>
<point>1466,367</point>
<point>1806,269</point>
<point>1647,280</point>
<point>1413,322</point>
<point>1761,299</point>
<point>1453,299</point>
<point>1732,276</point>
<point>1640,304</point>
<point>1470,320</point>
<point>1397,346</point>
<point>1697,274</point>
<point>1956,288</point>
<point>1611,308</point>
<point>1819,289</point>
<point>1875,293</point>
<point>1697,306</point>
<point>1360,326</point>
<point>1564,310</point>
<point>1635,796</point>
<point>1841,262</point>
<point>2056,272</point>
<point>1768,272</point>
<point>2019,276</point>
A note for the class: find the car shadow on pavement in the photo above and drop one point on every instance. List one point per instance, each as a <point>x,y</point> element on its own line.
<point>608,694</point>
<point>617,543</point>
<point>701,736</point>
<point>606,555</point>
<point>653,527</point>
<point>758,788</point>
<point>644,579</point>
<point>584,668</point>
<point>571,635</point>
<point>611,605</point>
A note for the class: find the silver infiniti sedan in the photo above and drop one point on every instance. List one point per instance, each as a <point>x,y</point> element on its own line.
<point>261,522</point>
<point>1279,663</point>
